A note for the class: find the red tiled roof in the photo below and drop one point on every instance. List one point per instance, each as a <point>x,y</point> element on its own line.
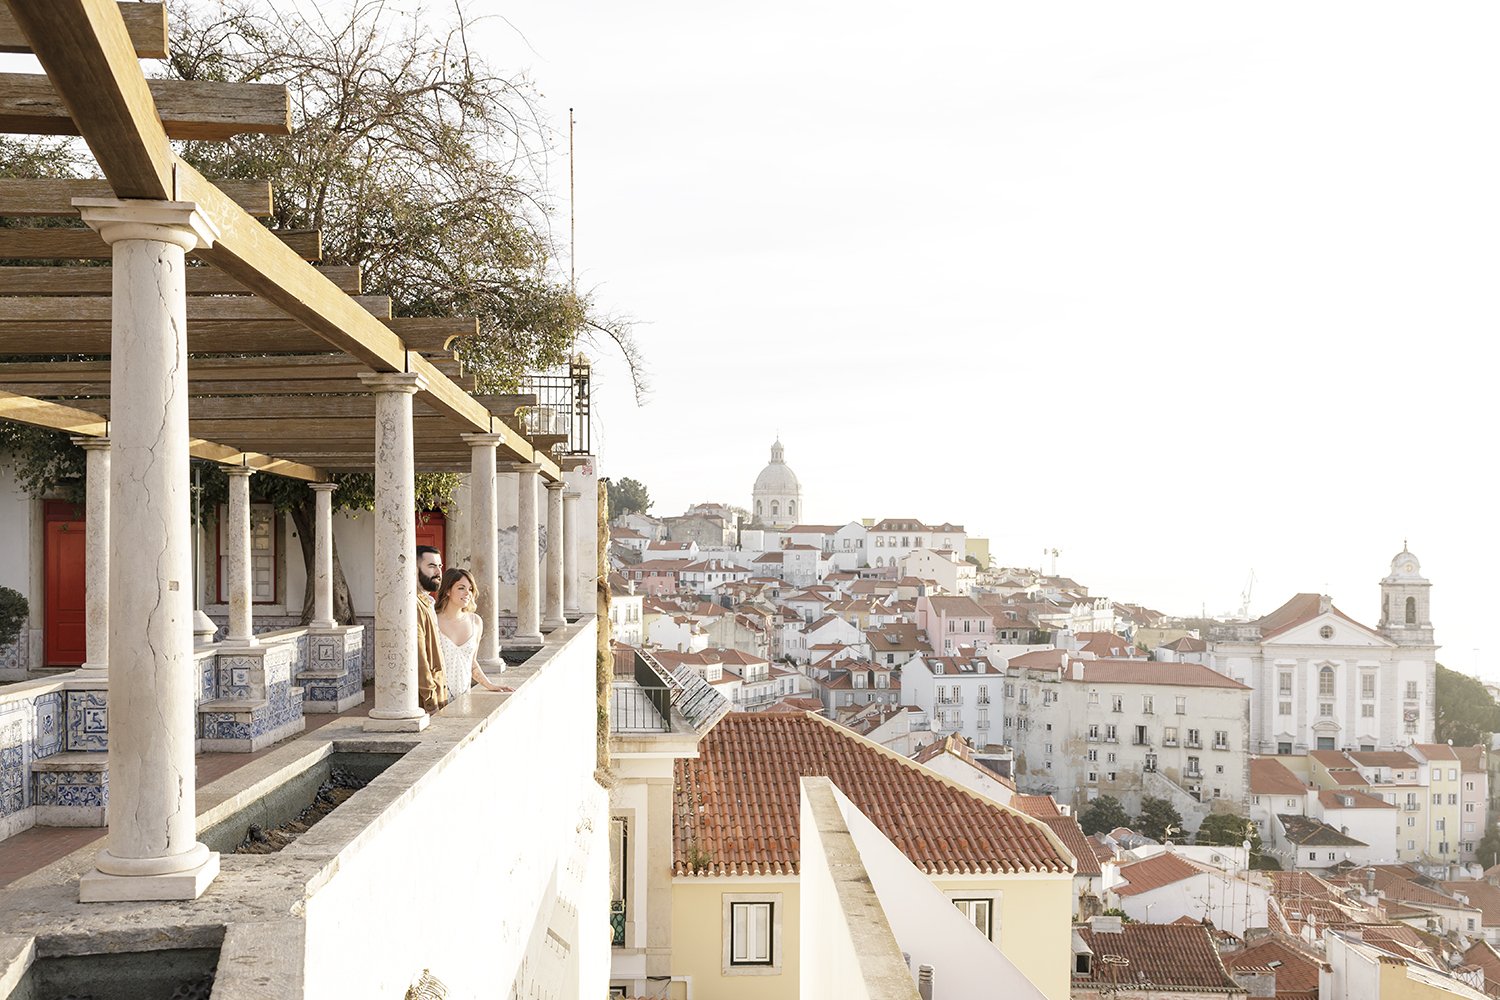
<point>1155,672</point>
<point>1482,954</point>
<point>1296,976</point>
<point>1436,751</point>
<point>737,806</point>
<point>1269,776</point>
<point>1168,956</point>
<point>1155,872</point>
<point>1038,806</point>
<point>1481,894</point>
<point>1071,834</point>
<point>1472,758</point>
<point>797,705</point>
<point>1357,800</point>
<point>1300,609</point>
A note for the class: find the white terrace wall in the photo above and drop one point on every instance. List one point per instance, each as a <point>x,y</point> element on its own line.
<point>492,869</point>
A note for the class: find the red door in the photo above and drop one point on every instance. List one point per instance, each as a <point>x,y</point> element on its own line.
<point>63,617</point>
<point>432,529</point>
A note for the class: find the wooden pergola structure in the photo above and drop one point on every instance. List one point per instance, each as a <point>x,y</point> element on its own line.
<point>289,369</point>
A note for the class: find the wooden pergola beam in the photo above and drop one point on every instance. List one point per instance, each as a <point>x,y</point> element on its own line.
<point>189,109</point>
<point>89,280</point>
<point>74,310</point>
<point>205,336</point>
<point>85,244</point>
<point>47,196</point>
<point>71,420</point>
<point>146,24</point>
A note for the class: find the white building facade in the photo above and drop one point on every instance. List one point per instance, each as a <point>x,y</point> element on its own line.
<point>1323,681</point>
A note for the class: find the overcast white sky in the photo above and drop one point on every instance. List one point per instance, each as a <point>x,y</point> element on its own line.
<point>1178,288</point>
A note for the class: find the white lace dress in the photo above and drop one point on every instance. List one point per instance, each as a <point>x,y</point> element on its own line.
<point>458,662</point>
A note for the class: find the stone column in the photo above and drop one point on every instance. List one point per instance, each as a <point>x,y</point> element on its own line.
<point>528,610</point>
<point>237,561</point>
<point>322,581</point>
<point>484,545</point>
<point>553,612</point>
<point>96,554</point>
<point>571,606</point>
<point>396,708</point>
<point>153,850</point>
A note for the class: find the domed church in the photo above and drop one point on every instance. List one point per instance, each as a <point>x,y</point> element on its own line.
<point>776,501</point>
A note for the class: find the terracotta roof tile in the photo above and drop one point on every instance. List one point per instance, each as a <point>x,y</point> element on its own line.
<point>1348,798</point>
<point>1039,806</point>
<point>1481,894</point>
<point>1296,975</point>
<point>1155,872</point>
<point>1154,672</point>
<point>737,805</point>
<point>1269,776</point>
<point>1071,834</point>
<point>1305,831</point>
<point>1168,956</point>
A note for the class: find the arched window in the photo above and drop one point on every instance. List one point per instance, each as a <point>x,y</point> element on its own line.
<point>1325,682</point>
<point>1411,611</point>
<point>775,508</point>
<point>758,510</point>
<point>879,561</point>
<point>791,508</point>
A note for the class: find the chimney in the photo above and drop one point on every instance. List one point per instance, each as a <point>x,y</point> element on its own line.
<point>924,982</point>
<point>1105,925</point>
<point>1257,982</point>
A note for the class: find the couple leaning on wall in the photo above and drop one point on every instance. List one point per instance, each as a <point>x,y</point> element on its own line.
<point>448,631</point>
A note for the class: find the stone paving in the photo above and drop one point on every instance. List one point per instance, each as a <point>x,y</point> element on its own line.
<point>38,847</point>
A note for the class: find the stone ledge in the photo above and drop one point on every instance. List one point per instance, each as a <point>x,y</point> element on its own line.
<point>73,760</point>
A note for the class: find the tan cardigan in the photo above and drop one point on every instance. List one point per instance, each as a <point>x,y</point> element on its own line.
<point>432,683</point>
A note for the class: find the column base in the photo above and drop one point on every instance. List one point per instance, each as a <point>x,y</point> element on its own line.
<point>414,724</point>
<point>97,887</point>
<point>553,624</point>
<point>92,670</point>
<point>494,663</point>
<point>521,639</point>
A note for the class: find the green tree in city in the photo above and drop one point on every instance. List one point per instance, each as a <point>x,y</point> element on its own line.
<point>1466,714</point>
<point>1159,820</point>
<point>1488,852</point>
<point>1228,830</point>
<point>1103,815</point>
<point>628,496</point>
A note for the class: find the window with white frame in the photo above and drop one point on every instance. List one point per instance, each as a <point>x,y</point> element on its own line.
<point>752,934</point>
<point>981,913</point>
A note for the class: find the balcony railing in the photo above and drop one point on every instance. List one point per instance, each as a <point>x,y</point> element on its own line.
<point>1193,774</point>
<point>636,709</point>
<point>562,407</point>
<point>1194,744</point>
<point>1169,742</point>
<point>1221,746</point>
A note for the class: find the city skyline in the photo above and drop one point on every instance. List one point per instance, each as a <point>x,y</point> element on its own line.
<point>1179,291</point>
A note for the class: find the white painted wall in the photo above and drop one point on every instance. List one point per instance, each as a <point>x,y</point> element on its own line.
<point>448,878</point>
<point>1225,901</point>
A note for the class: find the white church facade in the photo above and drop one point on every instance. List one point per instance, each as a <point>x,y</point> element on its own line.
<point>1322,681</point>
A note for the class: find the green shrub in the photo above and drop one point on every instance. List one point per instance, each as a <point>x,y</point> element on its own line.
<point>13,611</point>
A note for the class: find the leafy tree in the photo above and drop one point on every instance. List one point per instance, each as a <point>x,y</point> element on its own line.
<point>1466,714</point>
<point>1488,852</point>
<point>1158,819</point>
<point>1103,815</point>
<point>1228,830</point>
<point>628,496</point>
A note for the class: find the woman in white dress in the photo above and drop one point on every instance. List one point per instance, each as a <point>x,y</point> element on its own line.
<point>458,633</point>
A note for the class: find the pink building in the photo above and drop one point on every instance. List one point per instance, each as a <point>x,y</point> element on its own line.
<point>951,622</point>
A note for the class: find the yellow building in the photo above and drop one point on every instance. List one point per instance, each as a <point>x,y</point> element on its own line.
<point>735,885</point>
<point>1439,764</point>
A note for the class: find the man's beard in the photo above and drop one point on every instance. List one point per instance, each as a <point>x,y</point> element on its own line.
<point>428,583</point>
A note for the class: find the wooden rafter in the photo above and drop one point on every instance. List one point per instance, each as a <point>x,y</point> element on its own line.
<point>84,309</point>
<point>71,420</point>
<point>91,280</point>
<point>146,24</point>
<point>53,197</point>
<point>189,109</point>
<point>85,244</point>
<point>206,336</point>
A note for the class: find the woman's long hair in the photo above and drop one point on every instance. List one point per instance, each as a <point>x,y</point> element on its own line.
<point>450,577</point>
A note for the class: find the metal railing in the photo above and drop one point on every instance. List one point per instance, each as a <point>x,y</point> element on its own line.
<point>636,709</point>
<point>562,406</point>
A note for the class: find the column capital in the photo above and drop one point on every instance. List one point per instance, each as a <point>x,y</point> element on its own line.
<point>239,470</point>
<point>532,467</point>
<point>393,381</point>
<point>482,440</point>
<point>555,484</point>
<point>91,443</point>
<point>179,222</point>
<point>322,487</point>
<point>572,495</point>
